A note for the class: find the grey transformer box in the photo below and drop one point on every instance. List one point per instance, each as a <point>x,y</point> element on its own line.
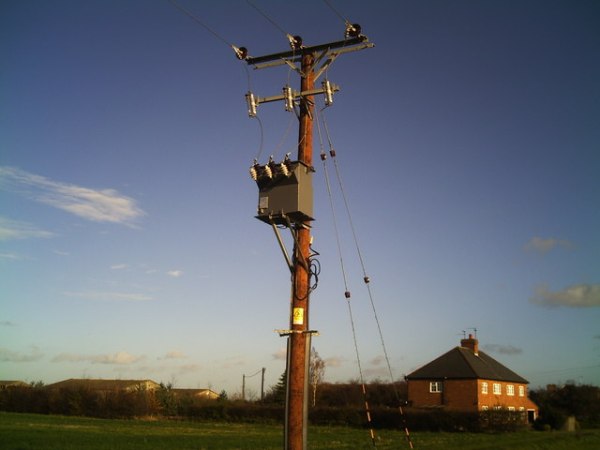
<point>285,192</point>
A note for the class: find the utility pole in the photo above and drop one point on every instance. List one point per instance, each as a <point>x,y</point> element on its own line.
<point>294,217</point>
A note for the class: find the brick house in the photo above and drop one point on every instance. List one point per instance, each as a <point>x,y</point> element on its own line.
<point>466,379</point>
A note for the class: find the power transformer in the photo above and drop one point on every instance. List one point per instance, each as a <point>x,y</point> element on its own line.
<point>285,192</point>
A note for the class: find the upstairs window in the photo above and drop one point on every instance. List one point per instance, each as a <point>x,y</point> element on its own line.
<point>484,387</point>
<point>435,386</point>
<point>510,390</point>
<point>497,389</point>
<point>521,391</point>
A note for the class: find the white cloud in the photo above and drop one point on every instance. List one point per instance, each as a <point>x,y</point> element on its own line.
<point>119,358</point>
<point>576,296</point>
<point>118,266</point>
<point>543,246</point>
<point>12,229</point>
<point>105,205</point>
<point>109,296</point>
<point>18,357</point>
<point>175,273</point>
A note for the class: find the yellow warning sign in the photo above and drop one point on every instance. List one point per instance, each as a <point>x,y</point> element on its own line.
<point>298,316</point>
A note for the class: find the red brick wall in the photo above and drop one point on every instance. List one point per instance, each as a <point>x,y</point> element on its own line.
<point>466,395</point>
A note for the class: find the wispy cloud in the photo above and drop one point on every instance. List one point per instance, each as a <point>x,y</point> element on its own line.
<point>334,361</point>
<point>11,256</point>
<point>174,354</point>
<point>175,273</point>
<point>378,360</point>
<point>12,229</point>
<point>119,358</point>
<point>544,245</point>
<point>98,205</point>
<point>109,296</point>
<point>503,349</point>
<point>576,296</point>
<point>18,357</point>
<point>118,266</point>
<point>7,323</point>
<point>280,354</point>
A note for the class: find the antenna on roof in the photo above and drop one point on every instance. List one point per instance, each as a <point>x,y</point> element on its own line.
<point>474,331</point>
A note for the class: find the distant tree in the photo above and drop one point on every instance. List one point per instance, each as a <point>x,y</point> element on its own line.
<point>166,399</point>
<point>556,403</point>
<point>223,397</point>
<point>316,373</point>
<point>277,393</point>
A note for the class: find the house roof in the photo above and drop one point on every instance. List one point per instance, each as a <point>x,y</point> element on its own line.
<point>101,384</point>
<point>464,363</point>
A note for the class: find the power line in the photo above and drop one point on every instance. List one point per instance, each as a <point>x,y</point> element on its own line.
<point>241,52</point>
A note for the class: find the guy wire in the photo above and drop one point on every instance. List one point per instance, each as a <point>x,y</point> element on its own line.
<point>347,292</point>
<point>366,280</point>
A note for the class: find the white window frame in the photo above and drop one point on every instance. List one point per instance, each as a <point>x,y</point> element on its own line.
<point>510,389</point>
<point>485,408</point>
<point>497,389</point>
<point>436,387</point>
<point>484,387</point>
<point>521,391</point>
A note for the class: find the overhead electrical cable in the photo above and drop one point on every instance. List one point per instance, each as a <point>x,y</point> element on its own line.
<point>241,53</point>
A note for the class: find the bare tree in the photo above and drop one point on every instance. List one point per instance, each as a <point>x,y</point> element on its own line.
<point>317,372</point>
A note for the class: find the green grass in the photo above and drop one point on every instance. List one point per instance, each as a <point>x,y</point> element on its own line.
<point>37,432</point>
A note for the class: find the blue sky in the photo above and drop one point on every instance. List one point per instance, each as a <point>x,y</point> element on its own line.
<point>467,140</point>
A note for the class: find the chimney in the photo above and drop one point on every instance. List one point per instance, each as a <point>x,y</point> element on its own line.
<point>471,343</point>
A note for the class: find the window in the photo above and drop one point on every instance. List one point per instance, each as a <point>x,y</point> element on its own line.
<point>497,388</point>
<point>510,390</point>
<point>484,387</point>
<point>511,408</point>
<point>484,408</point>
<point>521,391</point>
<point>435,386</point>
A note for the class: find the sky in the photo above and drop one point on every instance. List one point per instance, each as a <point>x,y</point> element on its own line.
<point>467,143</point>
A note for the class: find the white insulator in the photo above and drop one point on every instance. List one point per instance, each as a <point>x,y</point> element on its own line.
<point>328,91</point>
<point>288,98</point>
<point>284,169</point>
<point>252,105</point>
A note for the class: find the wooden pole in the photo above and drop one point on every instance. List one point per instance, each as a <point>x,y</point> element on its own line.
<point>297,377</point>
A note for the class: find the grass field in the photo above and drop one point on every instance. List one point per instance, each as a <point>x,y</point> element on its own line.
<point>36,432</point>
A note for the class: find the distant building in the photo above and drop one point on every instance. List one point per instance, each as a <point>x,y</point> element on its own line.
<point>7,384</point>
<point>466,379</point>
<point>101,385</point>
<point>205,394</point>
